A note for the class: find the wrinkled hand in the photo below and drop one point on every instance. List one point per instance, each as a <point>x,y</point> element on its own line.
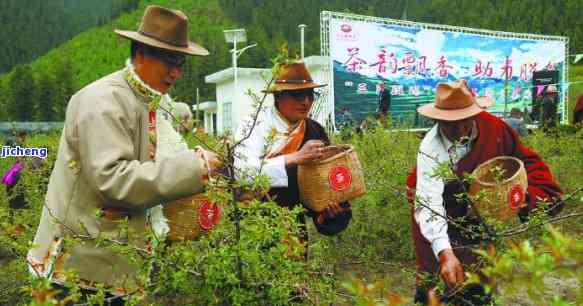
<point>211,160</point>
<point>311,151</point>
<point>450,268</point>
<point>333,210</point>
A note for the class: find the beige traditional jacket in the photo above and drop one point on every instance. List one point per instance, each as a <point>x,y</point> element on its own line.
<point>103,165</point>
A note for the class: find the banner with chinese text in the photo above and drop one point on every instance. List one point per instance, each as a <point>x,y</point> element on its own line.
<point>412,58</point>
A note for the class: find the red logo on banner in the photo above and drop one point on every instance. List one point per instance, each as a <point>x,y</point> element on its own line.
<point>516,197</point>
<point>346,28</point>
<point>339,178</point>
<point>208,215</point>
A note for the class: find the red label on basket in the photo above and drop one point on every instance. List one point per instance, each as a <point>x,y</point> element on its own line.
<point>208,215</point>
<point>516,197</point>
<point>339,178</point>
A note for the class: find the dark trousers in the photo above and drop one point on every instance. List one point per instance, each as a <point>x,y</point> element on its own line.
<point>110,300</point>
<point>471,295</point>
<point>16,197</point>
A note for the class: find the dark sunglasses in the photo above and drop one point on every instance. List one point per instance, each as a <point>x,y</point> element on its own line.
<point>173,59</point>
<point>300,95</point>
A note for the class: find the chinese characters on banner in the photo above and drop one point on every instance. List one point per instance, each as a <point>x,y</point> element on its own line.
<point>412,59</point>
<point>410,64</point>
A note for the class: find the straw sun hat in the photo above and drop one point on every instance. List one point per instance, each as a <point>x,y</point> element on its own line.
<point>454,101</point>
<point>294,76</point>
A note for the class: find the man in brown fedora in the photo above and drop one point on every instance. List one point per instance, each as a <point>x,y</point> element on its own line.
<point>297,140</point>
<point>120,158</point>
<point>464,136</point>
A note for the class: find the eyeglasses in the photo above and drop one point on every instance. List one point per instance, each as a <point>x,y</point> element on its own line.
<point>301,95</point>
<point>173,59</point>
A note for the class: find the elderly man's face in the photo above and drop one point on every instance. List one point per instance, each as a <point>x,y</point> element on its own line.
<point>457,131</point>
<point>295,105</point>
<point>159,72</point>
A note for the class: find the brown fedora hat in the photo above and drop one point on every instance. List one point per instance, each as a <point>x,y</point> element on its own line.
<point>454,101</point>
<point>166,29</point>
<point>293,76</point>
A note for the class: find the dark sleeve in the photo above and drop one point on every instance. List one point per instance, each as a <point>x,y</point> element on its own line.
<point>319,132</point>
<point>541,184</point>
<point>335,225</point>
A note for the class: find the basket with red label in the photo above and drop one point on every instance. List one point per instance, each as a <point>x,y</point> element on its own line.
<point>337,178</point>
<point>189,217</point>
<point>499,187</point>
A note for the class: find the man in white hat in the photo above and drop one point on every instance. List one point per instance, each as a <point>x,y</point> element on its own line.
<point>549,108</point>
<point>463,137</point>
<point>118,158</point>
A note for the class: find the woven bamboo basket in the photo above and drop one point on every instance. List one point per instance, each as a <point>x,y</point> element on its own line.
<point>337,178</point>
<point>503,182</point>
<point>189,217</point>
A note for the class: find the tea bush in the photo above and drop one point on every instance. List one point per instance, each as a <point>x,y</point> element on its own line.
<point>259,265</point>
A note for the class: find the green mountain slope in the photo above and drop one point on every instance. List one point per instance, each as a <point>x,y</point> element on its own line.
<point>32,27</point>
<point>99,51</point>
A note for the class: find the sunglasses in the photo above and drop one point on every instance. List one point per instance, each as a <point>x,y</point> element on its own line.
<point>301,95</point>
<point>173,59</point>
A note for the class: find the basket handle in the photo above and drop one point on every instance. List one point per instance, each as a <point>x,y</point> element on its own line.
<point>349,150</point>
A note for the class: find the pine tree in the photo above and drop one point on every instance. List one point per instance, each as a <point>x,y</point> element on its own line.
<point>64,87</point>
<point>21,99</point>
<point>4,96</point>
<point>46,92</point>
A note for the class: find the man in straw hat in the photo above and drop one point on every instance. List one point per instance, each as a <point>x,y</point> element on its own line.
<point>298,140</point>
<point>109,167</point>
<point>463,137</point>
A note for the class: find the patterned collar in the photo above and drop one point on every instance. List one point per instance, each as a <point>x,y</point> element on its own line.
<point>152,96</point>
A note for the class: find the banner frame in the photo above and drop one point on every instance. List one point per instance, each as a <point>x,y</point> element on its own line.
<point>327,16</point>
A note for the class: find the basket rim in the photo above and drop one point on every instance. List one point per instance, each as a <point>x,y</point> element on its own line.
<point>492,160</point>
<point>349,149</point>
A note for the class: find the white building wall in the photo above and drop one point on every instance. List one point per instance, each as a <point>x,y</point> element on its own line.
<point>224,94</point>
<point>254,79</point>
<point>245,109</point>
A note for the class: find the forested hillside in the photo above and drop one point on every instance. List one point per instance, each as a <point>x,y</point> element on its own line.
<point>40,91</point>
<point>30,28</point>
<point>47,83</point>
<point>280,19</point>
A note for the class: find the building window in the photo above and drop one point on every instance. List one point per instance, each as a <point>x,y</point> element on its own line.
<point>227,116</point>
<point>214,123</point>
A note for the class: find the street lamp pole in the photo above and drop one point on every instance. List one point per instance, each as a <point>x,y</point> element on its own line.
<point>234,60</point>
<point>302,29</point>
<point>235,55</point>
<point>235,36</point>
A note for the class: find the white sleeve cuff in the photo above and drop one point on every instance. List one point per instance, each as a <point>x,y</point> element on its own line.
<point>440,244</point>
<point>275,169</point>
